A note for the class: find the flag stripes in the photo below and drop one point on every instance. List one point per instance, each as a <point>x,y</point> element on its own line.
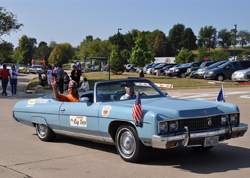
<point>137,111</point>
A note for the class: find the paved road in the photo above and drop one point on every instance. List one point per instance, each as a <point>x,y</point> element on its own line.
<point>22,154</point>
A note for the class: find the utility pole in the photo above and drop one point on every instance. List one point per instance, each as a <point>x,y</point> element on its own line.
<point>164,43</point>
<point>235,39</point>
<point>188,42</point>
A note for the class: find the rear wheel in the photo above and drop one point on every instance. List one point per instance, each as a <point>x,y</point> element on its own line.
<point>128,144</point>
<point>45,133</point>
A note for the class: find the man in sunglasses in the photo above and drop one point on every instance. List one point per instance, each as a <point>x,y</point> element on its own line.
<point>72,89</point>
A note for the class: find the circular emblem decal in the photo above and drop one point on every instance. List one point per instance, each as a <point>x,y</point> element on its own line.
<point>106,110</point>
<point>167,60</point>
<point>209,121</point>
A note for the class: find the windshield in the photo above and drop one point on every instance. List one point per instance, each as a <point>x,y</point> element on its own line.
<point>124,90</point>
<point>217,64</point>
<point>203,64</point>
<point>224,65</point>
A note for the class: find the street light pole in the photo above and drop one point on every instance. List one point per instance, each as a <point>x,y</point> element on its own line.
<point>235,38</point>
<point>188,43</point>
<point>118,36</point>
<point>164,48</point>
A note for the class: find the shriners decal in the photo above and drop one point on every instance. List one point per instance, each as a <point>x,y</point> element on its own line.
<point>105,110</point>
<point>80,121</point>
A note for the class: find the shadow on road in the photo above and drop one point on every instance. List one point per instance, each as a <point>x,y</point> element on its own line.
<point>221,158</point>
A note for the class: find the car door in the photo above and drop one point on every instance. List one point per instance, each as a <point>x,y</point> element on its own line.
<point>81,118</point>
<point>231,68</point>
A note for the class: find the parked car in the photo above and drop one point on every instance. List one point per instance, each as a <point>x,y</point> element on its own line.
<point>170,72</point>
<point>241,75</point>
<point>162,69</point>
<point>151,70</point>
<point>22,68</point>
<point>36,69</point>
<point>8,66</point>
<point>101,116</point>
<point>180,71</point>
<point>226,70</point>
<point>129,67</point>
<point>201,71</point>
<point>203,64</point>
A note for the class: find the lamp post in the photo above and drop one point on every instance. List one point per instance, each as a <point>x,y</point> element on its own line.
<point>164,48</point>
<point>235,39</point>
<point>118,36</point>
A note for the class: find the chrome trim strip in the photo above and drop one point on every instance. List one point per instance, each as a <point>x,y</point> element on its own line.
<point>85,136</point>
<point>108,140</point>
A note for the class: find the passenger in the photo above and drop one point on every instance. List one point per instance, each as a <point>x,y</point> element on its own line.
<point>73,93</point>
<point>85,85</point>
<point>129,93</point>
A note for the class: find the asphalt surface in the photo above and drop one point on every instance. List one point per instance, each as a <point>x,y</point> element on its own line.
<point>22,154</point>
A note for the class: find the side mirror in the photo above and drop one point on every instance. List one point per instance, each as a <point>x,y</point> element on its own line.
<point>84,100</point>
<point>165,93</point>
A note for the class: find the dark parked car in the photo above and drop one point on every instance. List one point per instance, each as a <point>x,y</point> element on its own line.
<point>164,67</point>
<point>226,70</point>
<point>201,71</point>
<point>203,64</point>
<point>180,71</point>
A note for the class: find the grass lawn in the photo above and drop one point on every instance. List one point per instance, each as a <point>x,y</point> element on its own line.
<point>33,85</point>
<point>176,82</point>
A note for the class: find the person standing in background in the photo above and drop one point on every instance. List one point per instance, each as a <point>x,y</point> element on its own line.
<point>66,80</point>
<point>13,81</point>
<point>55,71</point>
<point>49,74</point>
<point>61,78</point>
<point>5,74</point>
<point>75,75</point>
<point>85,85</point>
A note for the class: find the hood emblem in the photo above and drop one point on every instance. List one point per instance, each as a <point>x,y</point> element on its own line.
<point>204,112</point>
<point>209,121</point>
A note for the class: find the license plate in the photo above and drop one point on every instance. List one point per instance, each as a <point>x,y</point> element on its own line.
<point>211,141</point>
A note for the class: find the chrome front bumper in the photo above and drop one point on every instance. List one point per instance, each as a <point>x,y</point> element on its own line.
<point>185,138</point>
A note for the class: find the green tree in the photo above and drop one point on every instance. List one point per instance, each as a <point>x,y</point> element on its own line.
<point>184,56</point>
<point>116,63</point>
<point>232,34</point>
<point>26,49</point>
<point>43,51</point>
<point>129,39</point>
<point>5,52</point>
<point>141,55</point>
<point>244,37</point>
<point>150,37</point>
<point>61,54</point>
<point>52,44</point>
<point>202,52</point>
<point>8,22</point>
<point>175,37</point>
<point>220,55</point>
<point>207,37</point>
<point>125,54</point>
<point>189,34</point>
<point>159,44</point>
<point>225,37</point>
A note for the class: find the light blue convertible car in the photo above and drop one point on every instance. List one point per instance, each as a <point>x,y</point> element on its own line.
<point>101,115</point>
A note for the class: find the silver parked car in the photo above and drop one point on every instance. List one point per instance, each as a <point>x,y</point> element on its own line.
<point>36,69</point>
<point>241,75</point>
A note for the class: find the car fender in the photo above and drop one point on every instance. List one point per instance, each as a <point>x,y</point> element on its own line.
<point>39,120</point>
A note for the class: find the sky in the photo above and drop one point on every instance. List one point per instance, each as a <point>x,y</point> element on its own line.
<point>72,20</point>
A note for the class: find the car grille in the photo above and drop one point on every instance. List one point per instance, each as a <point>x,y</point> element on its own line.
<point>200,123</point>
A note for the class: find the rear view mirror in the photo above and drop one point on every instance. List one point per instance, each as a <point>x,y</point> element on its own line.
<point>84,100</point>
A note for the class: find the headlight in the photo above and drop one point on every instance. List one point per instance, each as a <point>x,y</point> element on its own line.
<point>173,125</point>
<point>212,72</point>
<point>233,118</point>
<point>163,127</point>
<point>224,119</point>
<point>176,70</point>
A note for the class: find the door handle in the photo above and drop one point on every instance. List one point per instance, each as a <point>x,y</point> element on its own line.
<point>62,109</point>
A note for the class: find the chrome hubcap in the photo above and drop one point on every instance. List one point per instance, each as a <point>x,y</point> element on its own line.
<point>127,143</point>
<point>220,78</point>
<point>42,130</point>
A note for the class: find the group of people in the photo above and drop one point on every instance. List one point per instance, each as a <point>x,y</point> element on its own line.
<point>9,75</point>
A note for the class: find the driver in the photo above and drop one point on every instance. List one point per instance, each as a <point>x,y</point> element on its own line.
<point>72,89</point>
<point>129,93</point>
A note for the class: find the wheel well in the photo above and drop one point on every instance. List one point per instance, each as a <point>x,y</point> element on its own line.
<point>113,126</point>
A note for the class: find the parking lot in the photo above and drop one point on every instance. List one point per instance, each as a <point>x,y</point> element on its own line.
<point>22,154</point>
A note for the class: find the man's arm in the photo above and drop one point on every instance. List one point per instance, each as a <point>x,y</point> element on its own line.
<point>53,83</point>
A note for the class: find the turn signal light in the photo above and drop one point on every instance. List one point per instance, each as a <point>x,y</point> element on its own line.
<point>173,144</point>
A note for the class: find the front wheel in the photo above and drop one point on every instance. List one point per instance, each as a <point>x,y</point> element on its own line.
<point>220,77</point>
<point>128,144</point>
<point>45,133</point>
<point>183,75</point>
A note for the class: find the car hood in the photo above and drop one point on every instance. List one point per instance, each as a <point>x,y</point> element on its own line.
<point>242,71</point>
<point>179,108</point>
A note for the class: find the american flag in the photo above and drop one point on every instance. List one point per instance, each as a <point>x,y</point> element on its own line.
<point>137,112</point>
